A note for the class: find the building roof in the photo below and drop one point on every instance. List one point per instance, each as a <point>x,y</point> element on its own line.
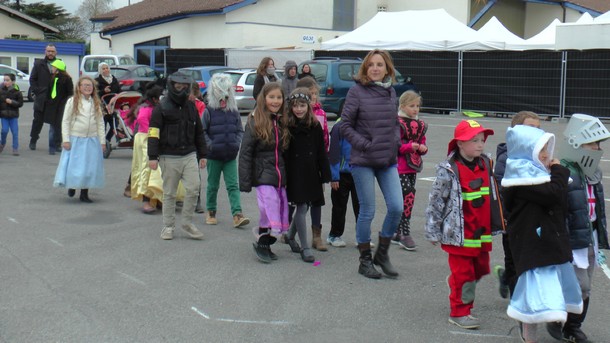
<point>601,6</point>
<point>24,17</point>
<point>151,12</point>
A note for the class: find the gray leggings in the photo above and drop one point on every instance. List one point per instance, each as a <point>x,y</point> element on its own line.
<point>299,221</point>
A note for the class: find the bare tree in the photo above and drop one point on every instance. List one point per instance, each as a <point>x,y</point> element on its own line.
<point>91,8</point>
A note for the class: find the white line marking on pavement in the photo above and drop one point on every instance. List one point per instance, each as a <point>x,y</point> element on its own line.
<point>12,220</point>
<point>431,179</point>
<point>479,334</point>
<point>55,242</point>
<point>273,322</point>
<point>132,278</point>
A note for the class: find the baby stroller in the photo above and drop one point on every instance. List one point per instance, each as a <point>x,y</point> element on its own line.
<point>112,107</point>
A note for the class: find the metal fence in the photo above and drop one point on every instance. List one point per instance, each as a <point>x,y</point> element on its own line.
<point>555,83</point>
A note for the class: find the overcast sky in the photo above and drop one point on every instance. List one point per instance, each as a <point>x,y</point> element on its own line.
<point>72,5</point>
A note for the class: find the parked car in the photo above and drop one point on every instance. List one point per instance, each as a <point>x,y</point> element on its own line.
<point>335,76</point>
<point>135,77</point>
<point>22,80</point>
<point>202,75</point>
<point>90,63</point>
<point>243,81</point>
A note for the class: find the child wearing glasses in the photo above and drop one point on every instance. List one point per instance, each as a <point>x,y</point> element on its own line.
<point>463,211</point>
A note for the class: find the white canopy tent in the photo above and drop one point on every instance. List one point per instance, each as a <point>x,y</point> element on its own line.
<point>425,30</point>
<point>494,28</point>
<point>583,35</point>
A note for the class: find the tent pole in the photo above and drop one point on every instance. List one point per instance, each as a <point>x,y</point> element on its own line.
<point>562,86</point>
<point>459,81</point>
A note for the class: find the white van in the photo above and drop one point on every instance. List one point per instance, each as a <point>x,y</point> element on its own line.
<point>90,63</point>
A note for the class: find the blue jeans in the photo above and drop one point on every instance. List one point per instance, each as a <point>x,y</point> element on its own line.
<point>10,123</point>
<point>389,183</point>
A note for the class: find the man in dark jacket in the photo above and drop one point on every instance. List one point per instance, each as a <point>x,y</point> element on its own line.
<point>40,78</point>
<point>175,143</point>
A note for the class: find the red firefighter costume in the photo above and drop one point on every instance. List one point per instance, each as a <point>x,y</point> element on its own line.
<point>470,262</point>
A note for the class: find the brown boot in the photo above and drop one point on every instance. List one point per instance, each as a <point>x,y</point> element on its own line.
<point>318,242</point>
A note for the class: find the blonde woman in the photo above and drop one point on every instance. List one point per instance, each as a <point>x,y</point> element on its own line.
<point>81,163</point>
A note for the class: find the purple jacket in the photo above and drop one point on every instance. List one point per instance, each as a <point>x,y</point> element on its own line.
<point>370,125</point>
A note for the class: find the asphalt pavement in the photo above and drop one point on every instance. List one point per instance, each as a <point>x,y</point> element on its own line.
<point>77,272</point>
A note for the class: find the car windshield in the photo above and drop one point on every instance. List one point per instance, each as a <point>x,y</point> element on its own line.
<point>195,74</point>
<point>126,60</point>
<point>235,77</point>
<point>319,71</point>
<point>119,73</point>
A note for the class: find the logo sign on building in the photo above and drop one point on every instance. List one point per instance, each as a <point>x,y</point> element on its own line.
<point>308,39</point>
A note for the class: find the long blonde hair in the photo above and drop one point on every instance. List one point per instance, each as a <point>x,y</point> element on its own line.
<point>263,125</point>
<point>97,104</point>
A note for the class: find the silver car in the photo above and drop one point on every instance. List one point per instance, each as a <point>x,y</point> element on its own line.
<point>243,82</point>
<point>22,80</point>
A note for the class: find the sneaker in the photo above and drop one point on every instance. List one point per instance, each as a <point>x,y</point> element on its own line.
<point>15,152</point>
<point>554,329</point>
<point>32,145</point>
<point>210,218</point>
<point>575,335</point>
<point>1,147</point>
<point>465,322</point>
<point>192,231</point>
<point>335,241</point>
<point>395,239</point>
<point>503,286</point>
<point>167,233</point>
<point>407,242</point>
<point>240,220</point>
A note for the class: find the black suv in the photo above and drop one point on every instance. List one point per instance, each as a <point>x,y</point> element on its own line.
<point>335,76</point>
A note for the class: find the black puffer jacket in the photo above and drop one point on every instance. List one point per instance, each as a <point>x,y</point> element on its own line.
<point>370,124</point>
<point>261,163</point>
<point>578,220</point>
<point>12,110</point>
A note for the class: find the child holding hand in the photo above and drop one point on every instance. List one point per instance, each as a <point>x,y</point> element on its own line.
<point>306,163</point>
<point>261,165</point>
<point>535,189</point>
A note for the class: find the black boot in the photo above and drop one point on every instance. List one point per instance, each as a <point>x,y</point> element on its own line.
<point>382,259</point>
<point>71,192</point>
<point>262,247</point>
<point>84,196</point>
<point>571,329</point>
<point>366,267</point>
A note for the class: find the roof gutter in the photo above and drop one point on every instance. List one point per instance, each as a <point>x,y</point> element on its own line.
<point>108,39</point>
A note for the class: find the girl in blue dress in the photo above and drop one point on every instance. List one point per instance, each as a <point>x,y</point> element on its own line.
<point>535,191</point>
<point>82,128</point>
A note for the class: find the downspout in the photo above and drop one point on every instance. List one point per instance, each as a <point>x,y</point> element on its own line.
<point>108,39</point>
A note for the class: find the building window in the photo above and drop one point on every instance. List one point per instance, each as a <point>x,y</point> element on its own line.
<point>23,64</point>
<point>344,14</point>
<point>6,60</point>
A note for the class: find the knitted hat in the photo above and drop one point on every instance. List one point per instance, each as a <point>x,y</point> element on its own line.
<point>59,64</point>
<point>465,131</point>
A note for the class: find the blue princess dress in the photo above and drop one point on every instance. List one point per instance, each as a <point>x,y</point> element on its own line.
<point>546,294</point>
<point>82,166</point>
<point>547,288</point>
